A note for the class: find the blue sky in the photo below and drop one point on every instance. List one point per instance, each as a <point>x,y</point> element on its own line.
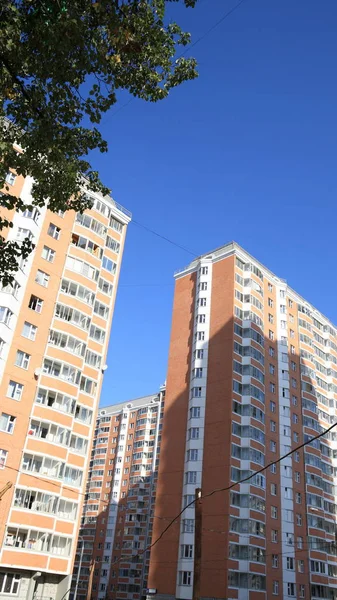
<point>247,152</point>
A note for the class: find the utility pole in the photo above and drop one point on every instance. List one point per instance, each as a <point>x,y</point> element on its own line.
<point>197,545</point>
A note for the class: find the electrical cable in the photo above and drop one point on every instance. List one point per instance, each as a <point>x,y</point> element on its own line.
<point>244,480</point>
<point>165,238</point>
<point>192,45</point>
<point>224,489</point>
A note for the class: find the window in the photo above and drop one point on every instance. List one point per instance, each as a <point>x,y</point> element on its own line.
<point>295,418</point>
<point>7,423</point>
<point>296,456</point>
<point>54,231</point>
<point>5,315</point>
<point>3,458</point>
<point>35,303</point>
<point>22,359</point>
<point>94,360</point>
<point>193,433</point>
<point>296,436</point>
<point>271,351</point>
<point>199,336</point>
<point>192,454</point>
<point>302,590</point>
<point>188,525</point>
<point>42,278</point>
<point>272,426</point>
<point>195,412</point>
<point>112,244</point>
<point>186,551</point>
<point>298,498</point>
<point>97,334</point>
<point>203,271</point>
<point>48,254</point>
<point>11,288</point>
<point>201,319</point>
<point>272,387</point>
<point>61,370</point>
<point>270,287</point>
<point>197,372</point>
<point>82,267</point>
<point>109,265</point>
<point>15,390</point>
<point>271,369</point>
<point>274,561</point>
<point>298,519</point>
<point>273,468</point>
<point>66,313</point>
<point>297,477</point>
<point>274,535</point>
<point>9,583</point>
<point>300,566</point>
<point>272,406</point>
<point>270,318</point>
<point>271,334</point>
<point>272,446</point>
<point>32,213</point>
<point>185,578</point>
<point>23,234</point>
<point>102,310</point>
<point>290,563</point>
<point>273,489</point>
<point>191,477</point>
<point>10,178</point>
<point>196,392</point>
<point>273,512</point>
<point>67,342</point>
<point>29,331</point>
<point>105,286</point>
<point>270,302</point>
<point>291,589</point>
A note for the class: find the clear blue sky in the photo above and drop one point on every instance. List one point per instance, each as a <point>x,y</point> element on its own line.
<point>247,152</point>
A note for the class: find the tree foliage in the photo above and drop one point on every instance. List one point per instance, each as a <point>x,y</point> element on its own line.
<point>62,63</point>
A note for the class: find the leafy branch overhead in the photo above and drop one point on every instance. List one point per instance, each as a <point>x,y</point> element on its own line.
<point>62,64</point>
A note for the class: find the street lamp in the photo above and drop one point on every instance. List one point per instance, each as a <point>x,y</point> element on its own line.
<point>79,567</point>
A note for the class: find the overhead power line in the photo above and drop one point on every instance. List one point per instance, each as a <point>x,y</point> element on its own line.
<point>229,487</point>
<point>221,20</point>
<point>215,491</point>
<point>165,238</point>
<point>197,41</point>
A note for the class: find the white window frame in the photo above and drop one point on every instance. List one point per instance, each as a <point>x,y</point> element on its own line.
<point>49,254</point>
<point>17,390</point>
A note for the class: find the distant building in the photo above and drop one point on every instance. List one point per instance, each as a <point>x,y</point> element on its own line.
<point>54,331</point>
<point>118,511</point>
<point>252,374</point>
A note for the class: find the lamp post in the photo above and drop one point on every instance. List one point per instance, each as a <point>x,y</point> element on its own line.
<point>79,567</point>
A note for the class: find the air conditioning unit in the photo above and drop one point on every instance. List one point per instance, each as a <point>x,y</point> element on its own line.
<point>102,412</point>
<point>37,372</point>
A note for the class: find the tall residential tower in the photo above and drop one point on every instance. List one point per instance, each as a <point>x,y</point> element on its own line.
<point>252,374</point>
<point>54,331</point>
<point>112,561</point>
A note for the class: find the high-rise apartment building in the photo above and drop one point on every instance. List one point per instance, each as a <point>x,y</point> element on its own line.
<point>54,331</point>
<point>252,374</point>
<point>111,561</point>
